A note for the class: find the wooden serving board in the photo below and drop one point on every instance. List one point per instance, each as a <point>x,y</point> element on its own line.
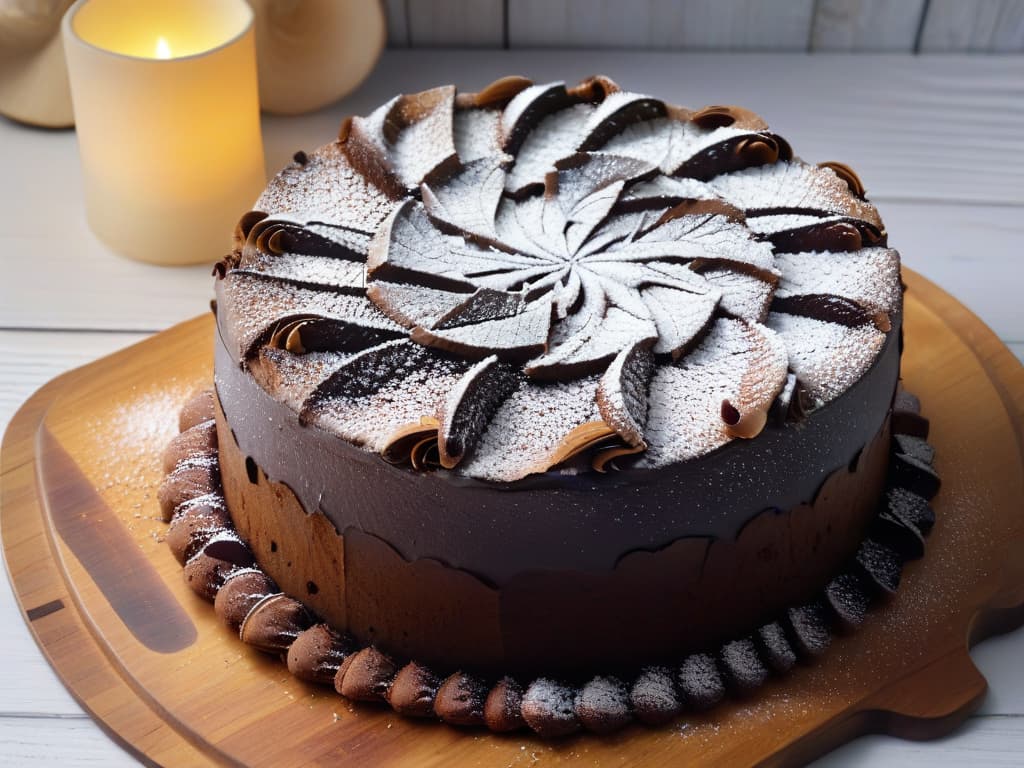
<point>150,661</point>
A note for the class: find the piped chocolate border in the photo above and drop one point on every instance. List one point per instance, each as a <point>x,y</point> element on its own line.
<point>219,566</point>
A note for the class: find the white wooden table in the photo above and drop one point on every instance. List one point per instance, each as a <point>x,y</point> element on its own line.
<point>937,140</point>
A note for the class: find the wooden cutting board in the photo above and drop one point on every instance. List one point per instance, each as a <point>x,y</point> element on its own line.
<point>151,663</point>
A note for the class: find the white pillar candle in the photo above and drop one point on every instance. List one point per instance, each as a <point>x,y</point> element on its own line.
<point>167,115</point>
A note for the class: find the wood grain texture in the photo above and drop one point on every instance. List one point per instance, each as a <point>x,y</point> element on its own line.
<point>461,23</point>
<point>235,704</point>
<point>667,24</point>
<point>990,26</point>
<point>866,25</point>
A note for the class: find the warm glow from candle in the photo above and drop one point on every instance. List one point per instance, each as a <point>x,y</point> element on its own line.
<point>167,119</point>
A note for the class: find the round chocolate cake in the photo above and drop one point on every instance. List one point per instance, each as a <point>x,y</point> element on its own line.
<point>543,382</point>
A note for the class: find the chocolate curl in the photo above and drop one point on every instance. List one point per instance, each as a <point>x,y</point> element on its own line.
<point>496,94</point>
<point>847,174</point>
<point>413,691</point>
<point>596,88</point>
<point>722,116</point>
<point>460,700</point>
<point>274,623</point>
<point>549,708</point>
<point>585,437</point>
<point>503,706</point>
<point>317,654</point>
<point>414,444</point>
<point>288,335</point>
<point>365,675</point>
<point>245,226</point>
<point>242,590</point>
<point>743,425</point>
<point>602,705</point>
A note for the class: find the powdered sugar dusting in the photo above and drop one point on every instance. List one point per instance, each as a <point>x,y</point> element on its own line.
<point>870,277</point>
<point>327,187</point>
<point>586,243</point>
<point>827,358</point>
<point>529,426</point>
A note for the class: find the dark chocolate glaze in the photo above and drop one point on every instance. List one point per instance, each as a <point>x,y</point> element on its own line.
<point>584,522</point>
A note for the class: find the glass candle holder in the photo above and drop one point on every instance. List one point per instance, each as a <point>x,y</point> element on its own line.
<point>167,113</point>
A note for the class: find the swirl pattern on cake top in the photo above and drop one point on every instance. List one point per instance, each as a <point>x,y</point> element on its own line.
<point>540,276</point>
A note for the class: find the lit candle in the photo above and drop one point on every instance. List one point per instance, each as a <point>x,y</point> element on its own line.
<point>167,114</point>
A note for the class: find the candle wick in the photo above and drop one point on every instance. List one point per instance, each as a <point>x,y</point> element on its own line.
<point>163,49</point>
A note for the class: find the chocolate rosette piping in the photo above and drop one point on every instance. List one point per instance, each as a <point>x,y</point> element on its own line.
<point>249,602</point>
<point>527,278</point>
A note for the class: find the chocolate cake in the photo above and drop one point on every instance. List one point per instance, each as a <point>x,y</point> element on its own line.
<point>552,406</point>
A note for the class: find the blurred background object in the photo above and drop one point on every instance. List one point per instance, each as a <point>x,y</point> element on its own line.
<point>310,53</point>
<point>33,76</point>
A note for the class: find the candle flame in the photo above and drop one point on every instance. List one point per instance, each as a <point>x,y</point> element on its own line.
<point>163,50</point>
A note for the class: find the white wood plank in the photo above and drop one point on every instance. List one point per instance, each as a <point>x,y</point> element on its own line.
<point>30,359</point>
<point>967,250</point>
<point>981,25</point>
<point>866,25</point>
<point>982,741</point>
<point>463,23</point>
<point>904,139</point>
<point>398,26</point>
<point>668,24</point>
<point>39,742</point>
